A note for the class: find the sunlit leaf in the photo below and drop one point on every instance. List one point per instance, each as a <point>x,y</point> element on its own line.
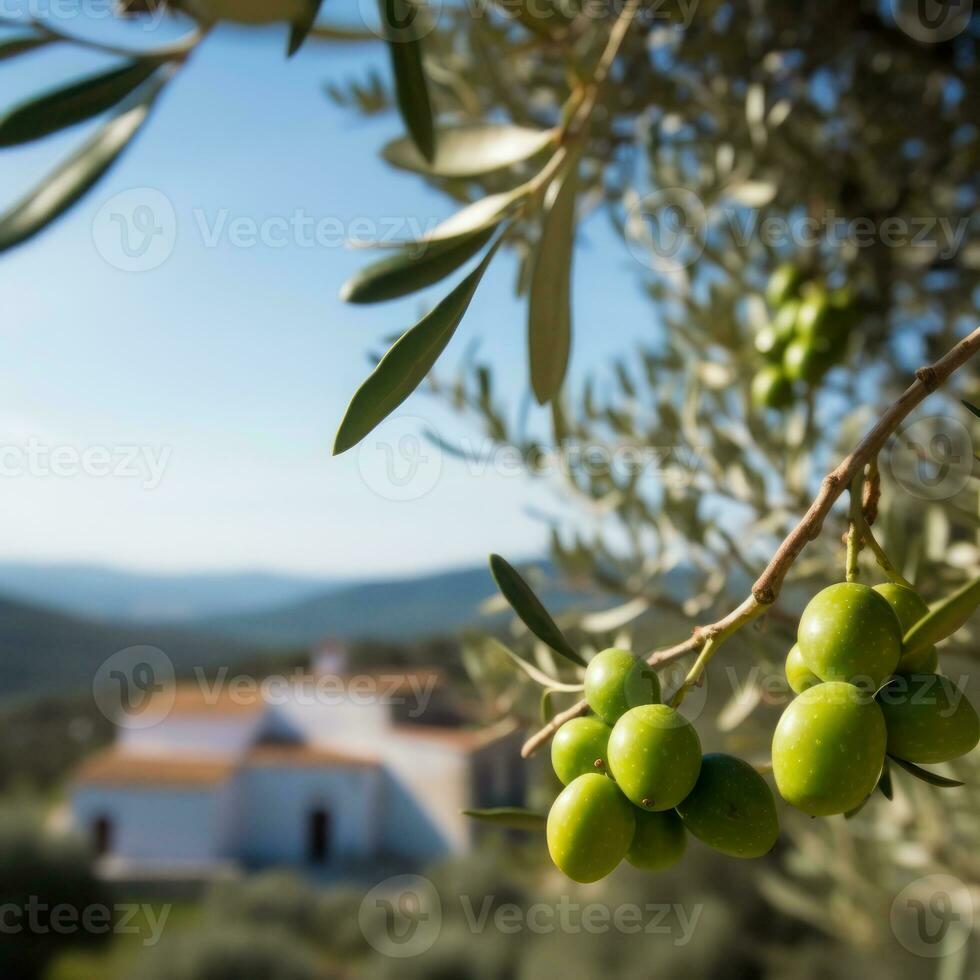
<point>483,213</point>
<point>411,86</point>
<point>409,271</point>
<point>535,673</point>
<point>515,817</point>
<point>933,779</point>
<point>943,620</point>
<point>529,608</point>
<point>78,173</point>
<point>72,104</point>
<point>468,151</point>
<point>549,328</point>
<point>405,366</point>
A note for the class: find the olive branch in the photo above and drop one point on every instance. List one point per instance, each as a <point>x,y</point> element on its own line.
<point>849,474</point>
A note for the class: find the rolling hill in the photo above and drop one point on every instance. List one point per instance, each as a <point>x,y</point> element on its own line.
<point>96,592</point>
<point>48,652</point>
<point>394,609</point>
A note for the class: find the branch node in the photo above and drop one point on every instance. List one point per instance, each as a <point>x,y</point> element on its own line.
<point>928,378</point>
<point>765,595</point>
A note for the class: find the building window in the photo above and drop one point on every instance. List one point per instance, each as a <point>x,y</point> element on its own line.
<point>319,836</point>
<point>102,835</point>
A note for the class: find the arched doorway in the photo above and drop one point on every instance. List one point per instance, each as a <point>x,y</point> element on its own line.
<point>318,836</point>
<point>102,835</point>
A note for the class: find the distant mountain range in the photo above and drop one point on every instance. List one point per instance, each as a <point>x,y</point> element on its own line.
<point>95,592</point>
<point>50,648</point>
<point>407,608</point>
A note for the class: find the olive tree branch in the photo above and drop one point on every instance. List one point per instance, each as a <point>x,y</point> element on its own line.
<point>768,586</point>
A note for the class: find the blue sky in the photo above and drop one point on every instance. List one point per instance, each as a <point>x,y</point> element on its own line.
<point>229,367</point>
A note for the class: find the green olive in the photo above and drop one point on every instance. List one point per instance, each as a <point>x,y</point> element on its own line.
<point>929,718</point>
<point>731,808</point>
<point>909,607</point>
<point>804,360</point>
<point>616,681</point>
<point>828,749</point>
<point>799,676</point>
<point>848,632</point>
<point>659,841</point>
<point>812,319</point>
<point>590,828</point>
<point>580,746</point>
<point>771,388</point>
<point>654,755</point>
<point>784,322</point>
<point>784,284</point>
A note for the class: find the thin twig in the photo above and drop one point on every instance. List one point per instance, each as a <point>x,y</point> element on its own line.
<point>767,587</point>
<point>851,570</point>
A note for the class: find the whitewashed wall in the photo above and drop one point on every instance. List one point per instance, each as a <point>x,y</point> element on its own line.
<point>168,825</point>
<point>274,806</point>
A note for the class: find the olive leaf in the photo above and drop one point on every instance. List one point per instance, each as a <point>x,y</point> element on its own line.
<point>411,86</point>
<point>515,817</point>
<point>299,31</point>
<point>408,272</point>
<point>15,46</point>
<point>943,620</point>
<point>885,781</point>
<point>529,609</point>
<point>471,150</point>
<point>74,103</point>
<point>549,328</point>
<point>405,366</point>
<point>537,675</point>
<point>933,779</point>
<point>487,212</point>
<point>78,173</point>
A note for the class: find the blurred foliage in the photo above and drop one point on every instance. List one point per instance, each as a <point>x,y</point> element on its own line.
<point>46,887</point>
<point>672,489</point>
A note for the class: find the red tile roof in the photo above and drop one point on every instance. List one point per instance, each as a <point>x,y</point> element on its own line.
<point>114,767</point>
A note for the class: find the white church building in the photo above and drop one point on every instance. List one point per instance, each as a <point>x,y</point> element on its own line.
<point>332,776</point>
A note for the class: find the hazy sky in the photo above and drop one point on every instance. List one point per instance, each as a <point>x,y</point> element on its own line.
<point>226,368</point>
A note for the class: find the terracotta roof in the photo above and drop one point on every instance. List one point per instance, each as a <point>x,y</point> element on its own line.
<point>287,756</point>
<point>113,767</point>
<point>190,699</point>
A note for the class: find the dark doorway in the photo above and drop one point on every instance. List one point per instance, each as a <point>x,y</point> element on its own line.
<point>319,836</point>
<point>102,836</point>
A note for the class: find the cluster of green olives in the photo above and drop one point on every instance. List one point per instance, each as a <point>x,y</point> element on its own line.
<point>805,336</point>
<point>859,696</point>
<point>636,782</point>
